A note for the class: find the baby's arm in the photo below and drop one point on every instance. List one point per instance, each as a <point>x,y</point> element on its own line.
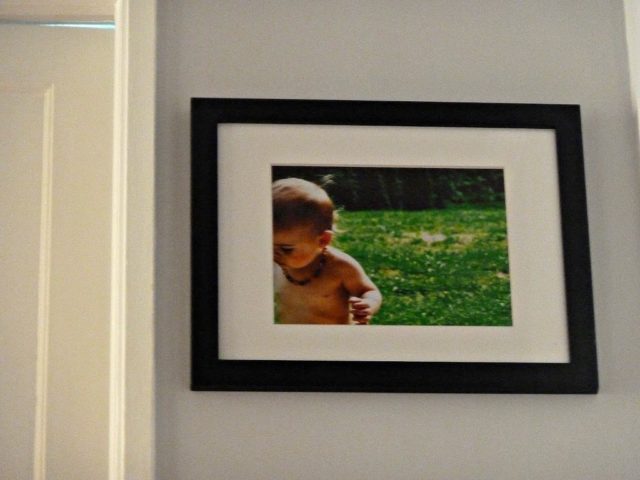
<point>364,297</point>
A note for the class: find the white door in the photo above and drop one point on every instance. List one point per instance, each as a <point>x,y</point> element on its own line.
<point>56,133</point>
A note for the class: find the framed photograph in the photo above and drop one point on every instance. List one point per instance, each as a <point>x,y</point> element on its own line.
<point>390,247</point>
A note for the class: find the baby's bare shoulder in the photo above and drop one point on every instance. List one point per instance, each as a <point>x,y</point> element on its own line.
<point>343,261</point>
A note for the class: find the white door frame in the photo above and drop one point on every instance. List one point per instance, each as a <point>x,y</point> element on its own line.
<point>632,30</point>
<point>131,431</point>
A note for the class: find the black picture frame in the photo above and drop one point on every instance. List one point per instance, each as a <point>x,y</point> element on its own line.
<point>210,372</point>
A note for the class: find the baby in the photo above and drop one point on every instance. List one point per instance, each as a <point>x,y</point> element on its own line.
<point>314,282</point>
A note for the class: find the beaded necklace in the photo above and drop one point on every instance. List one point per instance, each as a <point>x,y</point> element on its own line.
<point>316,273</point>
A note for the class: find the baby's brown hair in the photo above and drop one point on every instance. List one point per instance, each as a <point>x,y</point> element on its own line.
<point>297,202</point>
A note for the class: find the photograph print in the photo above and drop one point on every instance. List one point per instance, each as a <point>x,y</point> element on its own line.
<point>390,246</point>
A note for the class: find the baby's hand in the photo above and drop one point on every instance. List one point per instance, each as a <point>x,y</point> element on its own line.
<point>361,310</point>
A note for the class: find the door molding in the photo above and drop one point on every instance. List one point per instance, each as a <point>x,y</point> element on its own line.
<point>118,320</point>
<point>44,289</point>
<point>131,428</point>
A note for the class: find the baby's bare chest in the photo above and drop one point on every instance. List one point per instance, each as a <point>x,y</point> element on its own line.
<point>312,294</point>
<point>321,299</point>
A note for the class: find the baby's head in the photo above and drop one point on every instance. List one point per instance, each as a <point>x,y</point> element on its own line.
<point>302,221</point>
<point>299,203</point>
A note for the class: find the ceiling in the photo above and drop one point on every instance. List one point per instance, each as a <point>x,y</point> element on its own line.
<point>57,10</point>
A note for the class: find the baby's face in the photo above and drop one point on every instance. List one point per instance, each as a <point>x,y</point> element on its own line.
<point>297,247</point>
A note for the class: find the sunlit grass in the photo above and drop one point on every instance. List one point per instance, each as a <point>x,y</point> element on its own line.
<point>433,267</point>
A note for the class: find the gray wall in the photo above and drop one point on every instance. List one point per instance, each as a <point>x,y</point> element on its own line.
<point>544,51</point>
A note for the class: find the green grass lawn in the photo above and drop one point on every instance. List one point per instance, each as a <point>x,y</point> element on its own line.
<point>433,267</point>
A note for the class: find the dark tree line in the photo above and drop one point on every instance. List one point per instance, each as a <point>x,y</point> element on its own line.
<point>368,188</point>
